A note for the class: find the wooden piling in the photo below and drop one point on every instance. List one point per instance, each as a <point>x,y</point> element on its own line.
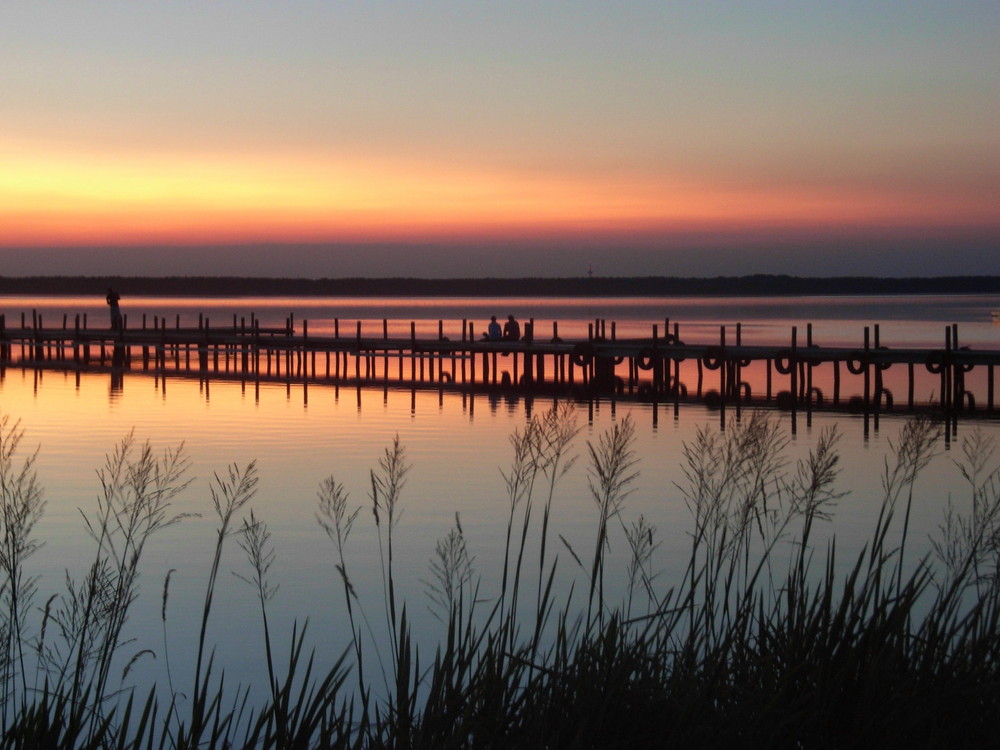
<point>793,368</point>
<point>867,370</point>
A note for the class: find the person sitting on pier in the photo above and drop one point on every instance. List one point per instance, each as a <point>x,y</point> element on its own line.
<point>493,332</point>
<point>116,314</point>
<point>511,329</point>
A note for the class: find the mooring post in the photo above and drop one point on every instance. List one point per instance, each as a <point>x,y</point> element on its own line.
<point>880,392</point>
<point>738,364</point>
<point>809,365</point>
<point>465,354</point>
<point>162,348</point>
<point>256,345</point>
<point>76,337</point>
<point>472,360</point>
<point>868,369</point>
<point>946,371</point>
<point>206,346</point>
<point>677,365</point>
<point>793,368</point>
<point>657,369</point>
<point>39,346</point>
<point>958,374</point>
<point>357,353</point>
<point>385,350</point>
<point>413,351</point>
<point>723,367</point>
<point>303,356</point>
<point>989,387</point>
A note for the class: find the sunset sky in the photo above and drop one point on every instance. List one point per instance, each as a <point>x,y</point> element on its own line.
<point>433,138</point>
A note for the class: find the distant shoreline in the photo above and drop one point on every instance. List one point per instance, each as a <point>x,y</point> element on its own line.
<point>646,286</point>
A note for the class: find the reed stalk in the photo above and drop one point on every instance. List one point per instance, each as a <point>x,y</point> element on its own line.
<point>255,541</point>
<point>230,494</point>
<point>21,506</point>
<point>386,495</point>
<point>337,521</point>
<point>520,482</point>
<point>554,436</point>
<point>612,462</point>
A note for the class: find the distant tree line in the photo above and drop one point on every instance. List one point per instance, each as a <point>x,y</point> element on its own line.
<point>644,286</point>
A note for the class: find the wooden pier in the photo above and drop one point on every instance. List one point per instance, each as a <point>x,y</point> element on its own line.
<point>661,367</point>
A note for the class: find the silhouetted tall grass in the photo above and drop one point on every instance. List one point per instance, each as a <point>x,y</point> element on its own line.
<point>760,642</point>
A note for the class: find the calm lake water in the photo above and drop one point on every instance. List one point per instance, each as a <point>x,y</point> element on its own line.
<point>457,444</point>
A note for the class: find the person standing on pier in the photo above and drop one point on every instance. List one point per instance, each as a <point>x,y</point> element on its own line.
<point>116,314</point>
<point>511,329</point>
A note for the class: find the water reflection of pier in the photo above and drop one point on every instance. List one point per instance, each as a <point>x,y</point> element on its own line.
<point>661,368</point>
